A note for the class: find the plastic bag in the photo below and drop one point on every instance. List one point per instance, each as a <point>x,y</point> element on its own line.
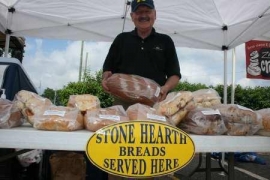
<point>30,157</point>
<point>10,115</point>
<point>99,118</point>
<point>134,88</point>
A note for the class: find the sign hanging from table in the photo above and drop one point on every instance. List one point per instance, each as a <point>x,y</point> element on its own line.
<point>140,149</point>
<point>258,59</point>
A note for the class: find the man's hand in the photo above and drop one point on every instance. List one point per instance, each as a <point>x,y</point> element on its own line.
<point>163,92</point>
<point>169,85</point>
<point>105,76</point>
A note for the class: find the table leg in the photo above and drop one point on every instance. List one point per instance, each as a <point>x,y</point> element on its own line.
<point>198,166</point>
<point>231,166</point>
<point>208,166</point>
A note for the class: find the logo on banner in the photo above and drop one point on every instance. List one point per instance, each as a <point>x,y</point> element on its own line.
<point>140,149</point>
<point>258,59</point>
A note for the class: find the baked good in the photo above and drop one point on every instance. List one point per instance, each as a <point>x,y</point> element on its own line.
<point>204,121</point>
<point>98,118</point>
<point>206,98</point>
<point>238,114</point>
<point>143,112</point>
<point>10,115</point>
<point>240,120</point>
<point>67,165</point>
<point>239,129</point>
<point>263,132</point>
<point>31,103</point>
<point>134,88</point>
<point>265,115</point>
<point>173,102</point>
<point>84,102</point>
<point>178,116</point>
<point>58,118</point>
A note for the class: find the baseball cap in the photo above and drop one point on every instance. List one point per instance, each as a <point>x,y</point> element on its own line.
<point>136,3</point>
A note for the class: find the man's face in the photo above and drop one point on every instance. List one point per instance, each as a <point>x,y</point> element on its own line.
<point>144,17</point>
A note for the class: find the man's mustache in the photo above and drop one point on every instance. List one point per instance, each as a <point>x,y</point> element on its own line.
<point>144,19</point>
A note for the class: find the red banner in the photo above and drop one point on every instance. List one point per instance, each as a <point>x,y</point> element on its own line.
<point>258,59</point>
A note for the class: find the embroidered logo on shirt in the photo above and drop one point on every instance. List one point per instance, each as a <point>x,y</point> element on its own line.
<point>157,48</point>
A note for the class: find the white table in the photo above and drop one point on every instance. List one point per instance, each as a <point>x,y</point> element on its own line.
<point>26,137</point>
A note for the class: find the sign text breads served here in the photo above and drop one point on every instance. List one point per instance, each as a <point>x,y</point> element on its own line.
<point>141,149</point>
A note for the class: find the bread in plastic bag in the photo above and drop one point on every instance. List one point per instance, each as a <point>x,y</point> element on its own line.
<point>206,97</point>
<point>203,121</point>
<point>134,88</point>
<point>176,105</point>
<point>84,102</point>
<point>31,103</point>
<point>98,118</point>
<point>265,114</point>
<point>10,114</point>
<point>143,112</point>
<point>240,120</point>
<point>173,102</point>
<point>68,166</point>
<point>59,118</point>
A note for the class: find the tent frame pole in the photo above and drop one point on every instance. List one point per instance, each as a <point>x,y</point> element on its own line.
<point>233,76</point>
<point>7,45</point>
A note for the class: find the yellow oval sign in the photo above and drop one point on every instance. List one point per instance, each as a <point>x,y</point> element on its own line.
<point>140,149</point>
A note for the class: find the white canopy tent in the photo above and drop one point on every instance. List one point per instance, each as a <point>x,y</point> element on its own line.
<point>208,24</point>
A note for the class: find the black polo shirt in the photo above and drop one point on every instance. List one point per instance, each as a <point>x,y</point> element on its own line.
<point>153,57</point>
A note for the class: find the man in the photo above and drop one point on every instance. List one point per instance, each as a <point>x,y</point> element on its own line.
<point>143,51</point>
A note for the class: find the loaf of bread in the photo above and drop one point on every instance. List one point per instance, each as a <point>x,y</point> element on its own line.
<point>265,114</point>
<point>240,120</point>
<point>98,118</point>
<point>263,132</point>
<point>240,129</point>
<point>58,118</point>
<point>84,102</point>
<point>206,97</point>
<point>143,112</point>
<point>204,121</point>
<point>177,117</point>
<point>31,103</point>
<point>174,102</point>
<point>238,114</point>
<point>134,88</point>
<point>10,115</point>
<point>66,165</point>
